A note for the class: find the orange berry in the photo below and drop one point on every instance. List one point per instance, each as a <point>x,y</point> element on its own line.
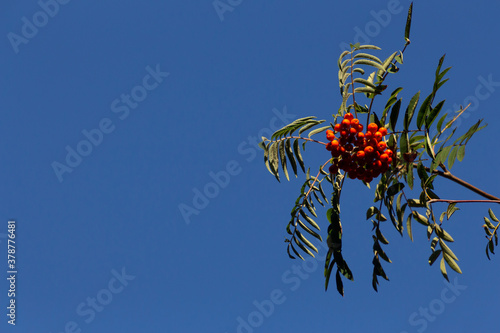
<point>344,133</point>
<point>368,150</point>
<point>376,165</point>
<point>348,116</point>
<point>346,122</point>
<point>383,158</point>
<point>359,127</point>
<point>381,145</point>
<point>330,135</point>
<point>354,121</point>
<point>383,130</point>
<point>372,128</point>
<point>337,127</point>
<point>389,152</point>
<point>361,135</point>
<point>368,135</point>
<point>377,136</point>
<point>360,154</point>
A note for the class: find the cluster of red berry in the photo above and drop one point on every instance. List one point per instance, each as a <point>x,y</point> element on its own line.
<point>361,155</point>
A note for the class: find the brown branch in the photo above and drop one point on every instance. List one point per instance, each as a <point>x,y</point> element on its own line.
<point>450,176</point>
<point>463,201</point>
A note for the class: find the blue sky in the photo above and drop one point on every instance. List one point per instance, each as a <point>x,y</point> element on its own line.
<point>171,94</point>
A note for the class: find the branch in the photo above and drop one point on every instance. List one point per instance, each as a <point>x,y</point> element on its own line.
<point>450,176</point>
<point>463,201</point>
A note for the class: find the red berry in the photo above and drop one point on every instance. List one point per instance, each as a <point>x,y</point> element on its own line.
<point>368,150</point>
<point>381,145</point>
<point>346,123</point>
<point>330,135</point>
<point>333,169</point>
<point>383,130</point>
<point>337,127</point>
<point>348,116</point>
<point>372,127</point>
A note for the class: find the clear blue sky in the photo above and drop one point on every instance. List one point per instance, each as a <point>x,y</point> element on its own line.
<point>172,93</point>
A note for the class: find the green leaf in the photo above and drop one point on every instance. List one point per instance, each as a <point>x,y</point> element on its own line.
<point>303,248</point>
<point>310,208</point>
<point>342,55</point>
<point>318,130</point>
<point>452,157</point>
<point>309,220</point>
<point>328,273</point>
<point>451,209</point>
<point>371,211</point>
<point>442,266</point>
<point>378,250</point>
<point>306,241</point>
<point>283,158</point>
<point>446,249</point>
<point>368,47</point>
<point>410,110</point>
<point>291,158</point>
<point>408,227</point>
<point>367,56</point>
<point>461,153</point>
<point>365,82</point>
<point>408,23</point>
<point>440,122</point>
<point>296,149</point>
<point>368,63</point>
<point>381,237</point>
<point>395,114</point>
<point>424,109</point>
<point>274,159</point>
<point>409,176</point>
<point>493,217</point>
<point>434,256</point>
<point>340,285</point>
<point>428,146</point>
<point>404,143</point>
<point>394,189</point>
<point>420,218</point>
<point>452,263</point>
<point>433,114</point>
<point>443,234</point>
<point>310,231</point>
